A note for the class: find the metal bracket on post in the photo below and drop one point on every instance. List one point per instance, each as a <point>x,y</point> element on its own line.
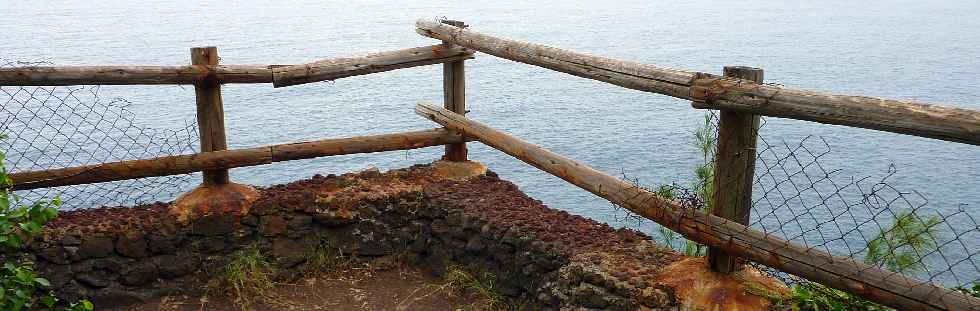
<point>734,168</point>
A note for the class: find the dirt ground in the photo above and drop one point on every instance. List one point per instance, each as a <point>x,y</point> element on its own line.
<point>362,287</point>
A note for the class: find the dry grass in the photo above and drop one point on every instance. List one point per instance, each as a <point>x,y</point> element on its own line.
<point>478,287</point>
<point>325,259</point>
<point>247,279</point>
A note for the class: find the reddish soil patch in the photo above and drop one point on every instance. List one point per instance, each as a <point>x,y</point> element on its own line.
<point>367,287</point>
<point>491,199</point>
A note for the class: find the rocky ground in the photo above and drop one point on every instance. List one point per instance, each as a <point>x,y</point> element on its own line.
<point>368,286</point>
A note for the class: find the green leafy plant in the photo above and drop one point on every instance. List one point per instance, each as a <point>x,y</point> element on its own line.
<point>705,139</point>
<point>813,296</point>
<point>19,222</point>
<point>701,197</point>
<point>83,305</point>
<point>897,249</point>
<point>900,248</point>
<point>972,291</point>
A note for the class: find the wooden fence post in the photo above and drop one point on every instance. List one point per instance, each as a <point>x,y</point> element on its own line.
<point>210,112</point>
<point>454,90</point>
<point>734,167</point>
<point>217,195</point>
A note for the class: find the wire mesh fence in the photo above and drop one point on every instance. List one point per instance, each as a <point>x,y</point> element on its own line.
<point>799,196</point>
<point>66,126</point>
<point>800,199</point>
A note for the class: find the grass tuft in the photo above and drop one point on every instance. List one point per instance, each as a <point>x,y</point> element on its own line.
<point>323,258</point>
<point>248,278</point>
<point>460,280</point>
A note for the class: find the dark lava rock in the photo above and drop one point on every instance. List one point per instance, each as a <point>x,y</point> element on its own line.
<point>300,223</point>
<point>163,243</point>
<point>211,244</point>
<point>590,296</point>
<point>272,225</point>
<point>475,244</point>
<point>132,245</point>
<point>56,254</point>
<point>289,252</point>
<point>213,225</point>
<point>93,279</point>
<point>58,275</point>
<point>250,220</point>
<point>95,247</point>
<point>172,266</point>
<point>71,240</point>
<point>139,274</point>
<point>118,297</point>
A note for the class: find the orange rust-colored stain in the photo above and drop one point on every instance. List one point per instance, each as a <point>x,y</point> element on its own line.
<point>457,170</point>
<point>699,288</point>
<point>228,198</point>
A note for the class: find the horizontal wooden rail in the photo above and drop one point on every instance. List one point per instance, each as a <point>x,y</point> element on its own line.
<point>332,69</point>
<point>132,75</point>
<point>226,159</point>
<point>839,272</point>
<point>711,91</point>
<point>138,75</point>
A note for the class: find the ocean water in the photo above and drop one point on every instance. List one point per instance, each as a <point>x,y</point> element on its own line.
<point>919,50</point>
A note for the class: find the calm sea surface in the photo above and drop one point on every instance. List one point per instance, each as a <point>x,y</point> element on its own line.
<point>920,50</point>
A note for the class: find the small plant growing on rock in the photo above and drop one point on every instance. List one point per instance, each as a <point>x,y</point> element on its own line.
<point>324,258</point>
<point>19,223</point>
<point>459,279</point>
<point>249,276</point>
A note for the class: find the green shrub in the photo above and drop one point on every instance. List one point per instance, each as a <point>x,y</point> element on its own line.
<point>22,287</point>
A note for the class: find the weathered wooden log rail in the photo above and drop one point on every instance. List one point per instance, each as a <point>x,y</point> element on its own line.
<point>225,159</point>
<point>711,91</point>
<point>279,75</point>
<point>740,95</point>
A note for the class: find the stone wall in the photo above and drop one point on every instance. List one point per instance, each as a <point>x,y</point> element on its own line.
<point>426,215</point>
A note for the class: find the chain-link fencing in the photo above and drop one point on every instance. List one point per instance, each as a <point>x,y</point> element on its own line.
<point>67,126</point>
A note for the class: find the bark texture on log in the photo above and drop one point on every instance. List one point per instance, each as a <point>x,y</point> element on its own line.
<point>210,113</point>
<point>714,92</point>
<point>132,75</point>
<point>844,273</point>
<point>183,164</point>
<point>332,69</point>
<point>734,168</point>
<point>454,94</point>
<point>328,69</point>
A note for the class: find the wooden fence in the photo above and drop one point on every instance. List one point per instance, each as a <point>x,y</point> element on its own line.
<point>739,94</point>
